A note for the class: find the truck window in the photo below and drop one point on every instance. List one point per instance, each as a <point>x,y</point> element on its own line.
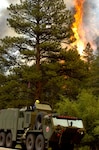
<point>62,122</point>
<point>67,122</point>
<point>75,123</point>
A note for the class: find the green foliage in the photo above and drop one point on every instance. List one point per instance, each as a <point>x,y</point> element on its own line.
<point>87,108</point>
<point>94,77</point>
<point>74,71</point>
<point>83,148</point>
<point>67,107</point>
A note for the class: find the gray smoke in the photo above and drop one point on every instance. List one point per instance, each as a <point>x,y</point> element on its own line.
<point>69,3</point>
<point>91,21</point>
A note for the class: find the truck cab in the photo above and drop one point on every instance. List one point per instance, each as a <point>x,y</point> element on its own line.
<point>61,131</point>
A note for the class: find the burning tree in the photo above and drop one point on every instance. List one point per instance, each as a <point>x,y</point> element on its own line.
<point>77,27</point>
<point>85,26</point>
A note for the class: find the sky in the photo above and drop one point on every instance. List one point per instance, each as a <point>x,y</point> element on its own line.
<point>90,22</point>
<point>4,29</point>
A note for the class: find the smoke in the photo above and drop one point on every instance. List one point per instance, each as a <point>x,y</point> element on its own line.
<point>69,4</point>
<point>91,21</point>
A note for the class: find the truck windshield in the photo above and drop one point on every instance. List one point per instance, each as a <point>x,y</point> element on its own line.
<point>67,123</point>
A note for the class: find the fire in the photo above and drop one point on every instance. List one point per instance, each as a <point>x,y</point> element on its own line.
<point>78,27</point>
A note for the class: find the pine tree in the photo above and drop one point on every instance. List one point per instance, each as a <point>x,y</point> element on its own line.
<point>88,55</point>
<point>74,71</point>
<point>42,25</point>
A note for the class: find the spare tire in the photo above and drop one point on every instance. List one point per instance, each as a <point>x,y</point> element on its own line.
<point>38,120</point>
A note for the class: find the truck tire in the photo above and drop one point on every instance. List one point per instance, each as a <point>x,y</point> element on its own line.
<point>38,121</point>
<point>2,139</point>
<point>39,143</point>
<point>9,142</point>
<point>30,141</point>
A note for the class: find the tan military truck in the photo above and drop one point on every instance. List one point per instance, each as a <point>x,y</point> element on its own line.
<point>39,128</point>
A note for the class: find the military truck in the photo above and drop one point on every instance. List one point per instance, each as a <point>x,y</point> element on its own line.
<point>39,128</point>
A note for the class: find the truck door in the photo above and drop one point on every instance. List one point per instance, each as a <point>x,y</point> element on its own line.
<point>21,121</point>
<point>47,127</point>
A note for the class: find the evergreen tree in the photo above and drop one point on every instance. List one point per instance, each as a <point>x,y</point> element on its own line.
<point>42,25</point>
<point>94,78</point>
<point>74,71</point>
<point>88,55</point>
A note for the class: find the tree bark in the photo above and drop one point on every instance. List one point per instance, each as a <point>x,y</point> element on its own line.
<point>38,84</point>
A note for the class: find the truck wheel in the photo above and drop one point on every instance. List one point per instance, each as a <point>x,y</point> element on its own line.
<point>39,143</point>
<point>9,142</point>
<point>2,139</point>
<point>38,121</point>
<point>30,141</point>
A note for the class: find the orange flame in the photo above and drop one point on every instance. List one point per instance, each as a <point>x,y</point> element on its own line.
<point>78,27</point>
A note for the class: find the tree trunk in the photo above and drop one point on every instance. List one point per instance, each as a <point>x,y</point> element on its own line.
<point>38,83</point>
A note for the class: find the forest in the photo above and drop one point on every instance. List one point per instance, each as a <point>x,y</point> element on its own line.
<point>34,65</point>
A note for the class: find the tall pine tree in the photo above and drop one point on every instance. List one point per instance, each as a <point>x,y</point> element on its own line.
<point>42,25</point>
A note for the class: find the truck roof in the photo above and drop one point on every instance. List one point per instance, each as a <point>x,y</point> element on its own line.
<point>43,107</point>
